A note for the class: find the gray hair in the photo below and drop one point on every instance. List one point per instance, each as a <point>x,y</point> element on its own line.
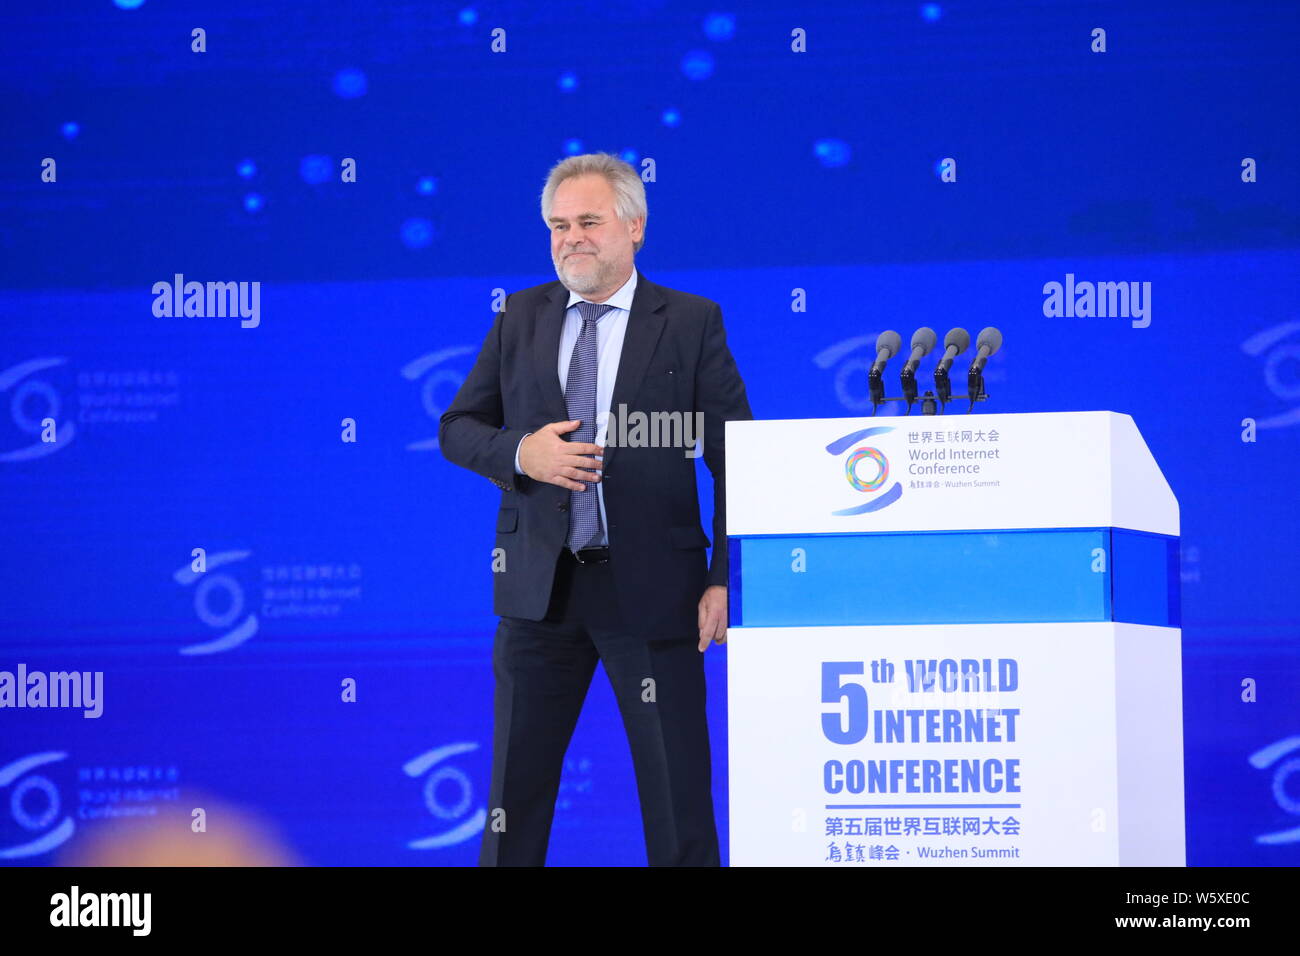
<point>629,191</point>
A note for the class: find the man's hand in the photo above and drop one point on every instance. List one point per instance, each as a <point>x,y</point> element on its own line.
<point>545,456</point>
<point>713,616</point>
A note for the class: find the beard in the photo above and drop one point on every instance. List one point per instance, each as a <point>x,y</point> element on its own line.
<point>587,282</point>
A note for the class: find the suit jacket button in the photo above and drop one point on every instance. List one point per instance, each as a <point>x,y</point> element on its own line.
<point>561,506</point>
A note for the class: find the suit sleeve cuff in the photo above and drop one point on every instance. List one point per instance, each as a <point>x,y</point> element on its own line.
<point>518,470</point>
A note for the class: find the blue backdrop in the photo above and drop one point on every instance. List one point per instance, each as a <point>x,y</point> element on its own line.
<point>769,171</point>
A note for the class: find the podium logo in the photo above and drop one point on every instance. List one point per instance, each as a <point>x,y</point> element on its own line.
<point>867,471</point>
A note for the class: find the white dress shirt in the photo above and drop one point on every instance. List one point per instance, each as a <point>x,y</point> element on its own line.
<point>610,331</point>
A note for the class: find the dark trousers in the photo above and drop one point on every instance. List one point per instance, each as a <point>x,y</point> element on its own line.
<point>543,670</point>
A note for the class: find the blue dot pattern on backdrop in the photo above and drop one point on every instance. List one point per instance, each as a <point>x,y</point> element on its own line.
<point>831,152</point>
<point>314,169</point>
<point>350,84</point>
<point>417,233</point>
<point>719,26</point>
<point>697,65</point>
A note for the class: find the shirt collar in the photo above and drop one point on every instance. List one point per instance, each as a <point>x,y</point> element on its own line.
<point>622,299</point>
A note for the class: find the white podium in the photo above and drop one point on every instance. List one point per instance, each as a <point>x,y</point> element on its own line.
<point>954,640</point>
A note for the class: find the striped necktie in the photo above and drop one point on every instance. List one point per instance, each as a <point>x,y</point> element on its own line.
<point>580,398</point>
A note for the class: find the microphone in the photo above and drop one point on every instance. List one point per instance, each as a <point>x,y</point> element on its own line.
<point>954,343</point>
<point>887,345</point>
<point>923,340</point>
<point>989,341</point>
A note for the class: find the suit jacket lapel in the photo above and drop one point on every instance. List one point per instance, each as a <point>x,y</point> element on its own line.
<point>644,326</point>
<point>546,351</point>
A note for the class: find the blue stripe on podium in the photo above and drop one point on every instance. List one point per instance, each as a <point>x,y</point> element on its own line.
<point>954,577</point>
<point>1146,587</point>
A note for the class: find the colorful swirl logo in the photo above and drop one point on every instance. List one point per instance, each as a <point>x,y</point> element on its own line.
<point>882,469</point>
<point>854,469</point>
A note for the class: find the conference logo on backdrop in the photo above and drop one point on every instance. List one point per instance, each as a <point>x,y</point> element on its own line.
<point>849,360</point>
<point>439,382</point>
<point>448,795</point>
<point>866,471</point>
<point>312,590</point>
<point>38,822</point>
<point>36,407</point>
<point>48,405</point>
<point>1287,801</point>
<point>219,601</point>
<point>1281,369</point>
<point>35,805</point>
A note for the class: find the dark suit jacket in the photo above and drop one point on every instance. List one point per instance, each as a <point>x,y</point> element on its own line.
<point>675,358</point>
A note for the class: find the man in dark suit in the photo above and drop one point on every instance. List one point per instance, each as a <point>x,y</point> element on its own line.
<point>600,553</point>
